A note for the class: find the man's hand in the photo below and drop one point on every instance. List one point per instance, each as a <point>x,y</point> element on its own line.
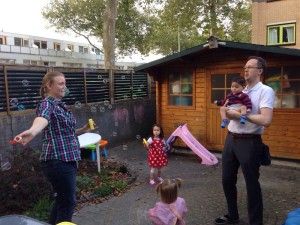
<point>232,114</point>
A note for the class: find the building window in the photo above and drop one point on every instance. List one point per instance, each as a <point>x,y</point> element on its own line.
<point>70,48</point>
<point>285,82</point>
<point>96,50</point>
<point>51,63</point>
<point>75,65</point>
<point>37,43</point>
<point>25,42</point>
<point>83,49</point>
<point>26,61</point>
<point>44,44</point>
<point>220,85</point>
<point>18,41</point>
<point>181,88</point>
<point>56,46</point>
<point>2,40</point>
<point>283,34</point>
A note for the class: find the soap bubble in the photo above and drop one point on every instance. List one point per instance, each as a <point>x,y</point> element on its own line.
<point>138,137</point>
<point>109,106</point>
<point>99,77</point>
<point>102,109</point>
<point>67,91</point>
<point>78,104</point>
<point>13,102</point>
<point>114,134</point>
<point>93,109</point>
<point>25,83</point>
<point>125,147</point>
<point>123,77</point>
<point>20,107</point>
<point>106,102</point>
<point>105,81</point>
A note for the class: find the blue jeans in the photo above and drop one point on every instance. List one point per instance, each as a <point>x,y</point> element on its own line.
<point>62,176</point>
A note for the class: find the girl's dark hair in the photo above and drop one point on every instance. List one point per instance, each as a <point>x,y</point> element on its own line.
<point>240,80</point>
<point>161,135</point>
<point>168,190</point>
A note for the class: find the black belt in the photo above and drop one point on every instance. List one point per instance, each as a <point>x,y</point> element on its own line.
<point>236,135</point>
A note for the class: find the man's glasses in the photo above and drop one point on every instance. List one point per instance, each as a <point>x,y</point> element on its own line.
<point>251,67</point>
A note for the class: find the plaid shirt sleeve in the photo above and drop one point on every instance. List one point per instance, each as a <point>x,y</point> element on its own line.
<point>45,109</point>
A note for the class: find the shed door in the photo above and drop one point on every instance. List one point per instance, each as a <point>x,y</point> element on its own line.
<point>219,82</point>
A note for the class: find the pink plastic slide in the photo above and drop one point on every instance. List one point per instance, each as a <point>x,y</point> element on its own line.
<point>183,132</point>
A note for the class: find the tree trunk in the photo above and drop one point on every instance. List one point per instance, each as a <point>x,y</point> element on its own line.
<point>109,25</point>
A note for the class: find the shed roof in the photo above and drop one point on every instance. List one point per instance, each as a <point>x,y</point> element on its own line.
<point>221,44</point>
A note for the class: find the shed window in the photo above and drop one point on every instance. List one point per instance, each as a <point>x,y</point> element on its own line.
<point>181,88</point>
<point>283,34</point>
<point>220,85</point>
<point>285,81</point>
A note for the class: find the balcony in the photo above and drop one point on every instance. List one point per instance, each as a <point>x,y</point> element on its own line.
<point>48,52</point>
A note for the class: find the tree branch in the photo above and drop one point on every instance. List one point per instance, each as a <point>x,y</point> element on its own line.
<point>86,37</point>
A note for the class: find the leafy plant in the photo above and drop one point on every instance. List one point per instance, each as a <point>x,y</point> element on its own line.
<point>41,210</point>
<point>84,182</point>
<point>103,191</point>
<point>118,185</point>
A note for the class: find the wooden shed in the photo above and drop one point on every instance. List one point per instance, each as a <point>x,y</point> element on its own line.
<point>188,82</point>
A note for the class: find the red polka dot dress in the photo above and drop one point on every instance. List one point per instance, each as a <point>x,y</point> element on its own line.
<point>157,157</point>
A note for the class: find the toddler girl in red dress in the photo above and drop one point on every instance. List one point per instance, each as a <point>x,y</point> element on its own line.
<point>157,157</point>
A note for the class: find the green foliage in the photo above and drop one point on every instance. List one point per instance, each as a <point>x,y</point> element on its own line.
<point>118,185</point>
<point>84,182</point>
<point>103,190</point>
<point>160,26</point>
<point>41,210</point>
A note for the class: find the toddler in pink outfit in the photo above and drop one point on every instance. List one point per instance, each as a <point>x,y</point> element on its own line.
<point>171,210</point>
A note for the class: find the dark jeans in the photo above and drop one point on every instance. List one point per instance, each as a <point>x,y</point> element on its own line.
<point>244,152</point>
<point>62,176</point>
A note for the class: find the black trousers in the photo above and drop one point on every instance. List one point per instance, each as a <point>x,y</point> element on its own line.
<point>243,151</point>
<point>62,176</point>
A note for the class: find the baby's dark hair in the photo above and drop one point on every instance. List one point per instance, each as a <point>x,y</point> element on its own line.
<point>240,80</point>
<point>168,190</point>
<point>161,135</point>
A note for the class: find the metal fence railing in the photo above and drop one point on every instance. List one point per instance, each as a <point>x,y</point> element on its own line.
<point>20,85</point>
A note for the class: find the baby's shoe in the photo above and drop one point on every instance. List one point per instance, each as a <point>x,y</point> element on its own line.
<point>151,182</point>
<point>224,123</point>
<point>243,119</point>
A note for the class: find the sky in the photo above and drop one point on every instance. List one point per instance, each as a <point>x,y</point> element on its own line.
<point>25,17</point>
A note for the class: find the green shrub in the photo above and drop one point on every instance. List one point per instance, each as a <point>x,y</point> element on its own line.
<point>118,185</point>
<point>84,182</point>
<point>103,191</point>
<point>41,210</point>
<point>104,175</point>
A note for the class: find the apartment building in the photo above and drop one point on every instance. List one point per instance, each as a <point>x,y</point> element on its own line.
<point>276,23</point>
<point>42,51</point>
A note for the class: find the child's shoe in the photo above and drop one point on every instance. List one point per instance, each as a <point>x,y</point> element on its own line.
<point>224,123</point>
<point>151,182</point>
<point>243,119</point>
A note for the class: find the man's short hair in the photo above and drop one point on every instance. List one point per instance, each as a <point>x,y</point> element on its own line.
<point>261,63</point>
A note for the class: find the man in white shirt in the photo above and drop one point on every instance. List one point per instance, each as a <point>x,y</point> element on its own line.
<point>243,145</point>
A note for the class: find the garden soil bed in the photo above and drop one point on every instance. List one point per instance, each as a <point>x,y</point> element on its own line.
<point>24,188</point>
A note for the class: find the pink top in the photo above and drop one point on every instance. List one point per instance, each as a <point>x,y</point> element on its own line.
<point>168,214</point>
